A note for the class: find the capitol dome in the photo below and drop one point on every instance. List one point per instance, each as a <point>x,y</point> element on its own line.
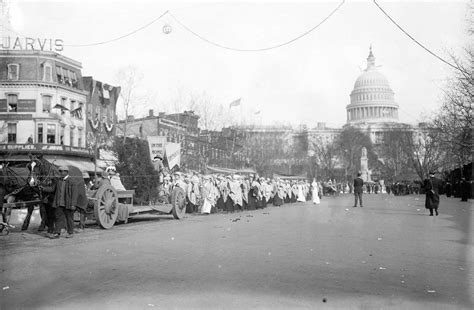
<point>372,99</point>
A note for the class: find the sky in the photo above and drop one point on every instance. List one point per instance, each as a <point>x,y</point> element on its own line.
<point>305,82</point>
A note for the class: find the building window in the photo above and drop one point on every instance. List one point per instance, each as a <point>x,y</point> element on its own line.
<point>64,104</point>
<point>40,133</point>
<point>71,139</point>
<point>12,102</point>
<point>51,134</point>
<point>59,74</point>
<point>13,71</point>
<point>47,73</point>
<point>46,103</point>
<point>79,138</point>
<point>11,133</point>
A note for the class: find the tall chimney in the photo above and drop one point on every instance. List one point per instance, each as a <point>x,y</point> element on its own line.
<point>150,112</point>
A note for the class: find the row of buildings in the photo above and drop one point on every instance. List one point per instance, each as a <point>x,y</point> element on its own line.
<point>48,107</point>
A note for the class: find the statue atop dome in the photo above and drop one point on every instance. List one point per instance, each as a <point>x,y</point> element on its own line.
<point>370,60</point>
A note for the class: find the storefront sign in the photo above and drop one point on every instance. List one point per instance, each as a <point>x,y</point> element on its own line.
<point>26,105</point>
<point>16,117</point>
<point>31,44</point>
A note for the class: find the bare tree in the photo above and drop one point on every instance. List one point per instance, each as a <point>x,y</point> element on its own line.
<point>324,153</point>
<point>130,80</point>
<point>454,121</point>
<point>425,150</point>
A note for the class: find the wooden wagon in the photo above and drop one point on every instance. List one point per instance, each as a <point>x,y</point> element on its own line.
<point>108,206</point>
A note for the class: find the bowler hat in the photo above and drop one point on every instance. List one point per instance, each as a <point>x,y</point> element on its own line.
<point>63,168</point>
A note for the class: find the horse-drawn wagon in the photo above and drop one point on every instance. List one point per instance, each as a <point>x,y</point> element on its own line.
<point>23,189</point>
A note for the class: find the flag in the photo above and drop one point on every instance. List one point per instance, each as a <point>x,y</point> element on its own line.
<point>258,112</point>
<point>59,106</point>
<point>234,103</point>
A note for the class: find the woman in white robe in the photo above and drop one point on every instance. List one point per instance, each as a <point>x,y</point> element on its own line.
<point>301,196</point>
<point>315,193</point>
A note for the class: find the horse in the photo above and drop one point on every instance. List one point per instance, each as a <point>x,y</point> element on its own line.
<point>15,186</point>
<point>45,174</point>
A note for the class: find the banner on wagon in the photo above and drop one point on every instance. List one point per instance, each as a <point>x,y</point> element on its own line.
<point>173,154</point>
<point>156,144</point>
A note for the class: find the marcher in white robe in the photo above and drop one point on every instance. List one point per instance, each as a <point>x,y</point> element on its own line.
<point>315,192</point>
<point>301,196</point>
<point>208,192</point>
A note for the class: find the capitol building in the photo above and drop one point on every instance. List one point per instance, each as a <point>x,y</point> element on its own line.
<point>372,106</point>
<point>372,99</point>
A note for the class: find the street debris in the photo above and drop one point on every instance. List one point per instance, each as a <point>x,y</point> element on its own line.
<point>431,291</point>
<point>151,305</point>
<point>265,213</point>
<point>235,220</point>
<point>382,268</point>
<point>402,281</point>
<point>379,239</point>
<point>418,210</point>
<point>249,215</point>
<point>6,287</point>
<point>347,209</point>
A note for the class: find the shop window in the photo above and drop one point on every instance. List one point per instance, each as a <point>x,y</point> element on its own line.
<point>40,133</point>
<point>46,103</point>
<point>12,102</point>
<point>13,71</point>
<point>51,134</point>
<point>11,133</point>
<point>47,73</point>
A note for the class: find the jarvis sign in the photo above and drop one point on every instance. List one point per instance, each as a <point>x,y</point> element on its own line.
<point>32,44</point>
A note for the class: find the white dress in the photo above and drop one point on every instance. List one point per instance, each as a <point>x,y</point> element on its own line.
<point>315,193</point>
<point>301,196</point>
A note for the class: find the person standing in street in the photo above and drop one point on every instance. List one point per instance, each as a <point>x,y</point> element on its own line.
<point>66,195</point>
<point>358,189</point>
<point>465,189</point>
<point>432,186</point>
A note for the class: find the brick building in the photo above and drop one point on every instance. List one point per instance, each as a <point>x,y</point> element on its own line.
<point>42,107</point>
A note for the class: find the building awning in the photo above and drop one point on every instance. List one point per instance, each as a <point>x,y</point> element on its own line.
<point>81,164</point>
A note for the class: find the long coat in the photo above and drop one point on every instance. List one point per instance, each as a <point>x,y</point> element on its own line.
<point>432,187</point>
<point>75,194</point>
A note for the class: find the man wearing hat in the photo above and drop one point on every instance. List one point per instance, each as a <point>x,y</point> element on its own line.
<point>432,186</point>
<point>358,189</point>
<point>66,195</point>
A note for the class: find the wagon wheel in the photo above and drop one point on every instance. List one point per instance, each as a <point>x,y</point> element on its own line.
<point>106,206</point>
<point>178,200</point>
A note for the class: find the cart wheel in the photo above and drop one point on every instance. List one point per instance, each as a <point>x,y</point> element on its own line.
<point>178,200</point>
<point>106,206</point>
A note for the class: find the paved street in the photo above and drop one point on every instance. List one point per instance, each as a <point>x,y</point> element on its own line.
<point>389,254</point>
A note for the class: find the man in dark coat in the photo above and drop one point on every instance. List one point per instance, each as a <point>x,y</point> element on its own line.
<point>432,187</point>
<point>358,185</point>
<point>69,194</point>
<point>465,189</point>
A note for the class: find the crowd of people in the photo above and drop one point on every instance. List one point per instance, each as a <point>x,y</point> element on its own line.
<point>212,193</point>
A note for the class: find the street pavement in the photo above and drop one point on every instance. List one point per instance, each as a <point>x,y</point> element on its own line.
<point>387,255</point>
